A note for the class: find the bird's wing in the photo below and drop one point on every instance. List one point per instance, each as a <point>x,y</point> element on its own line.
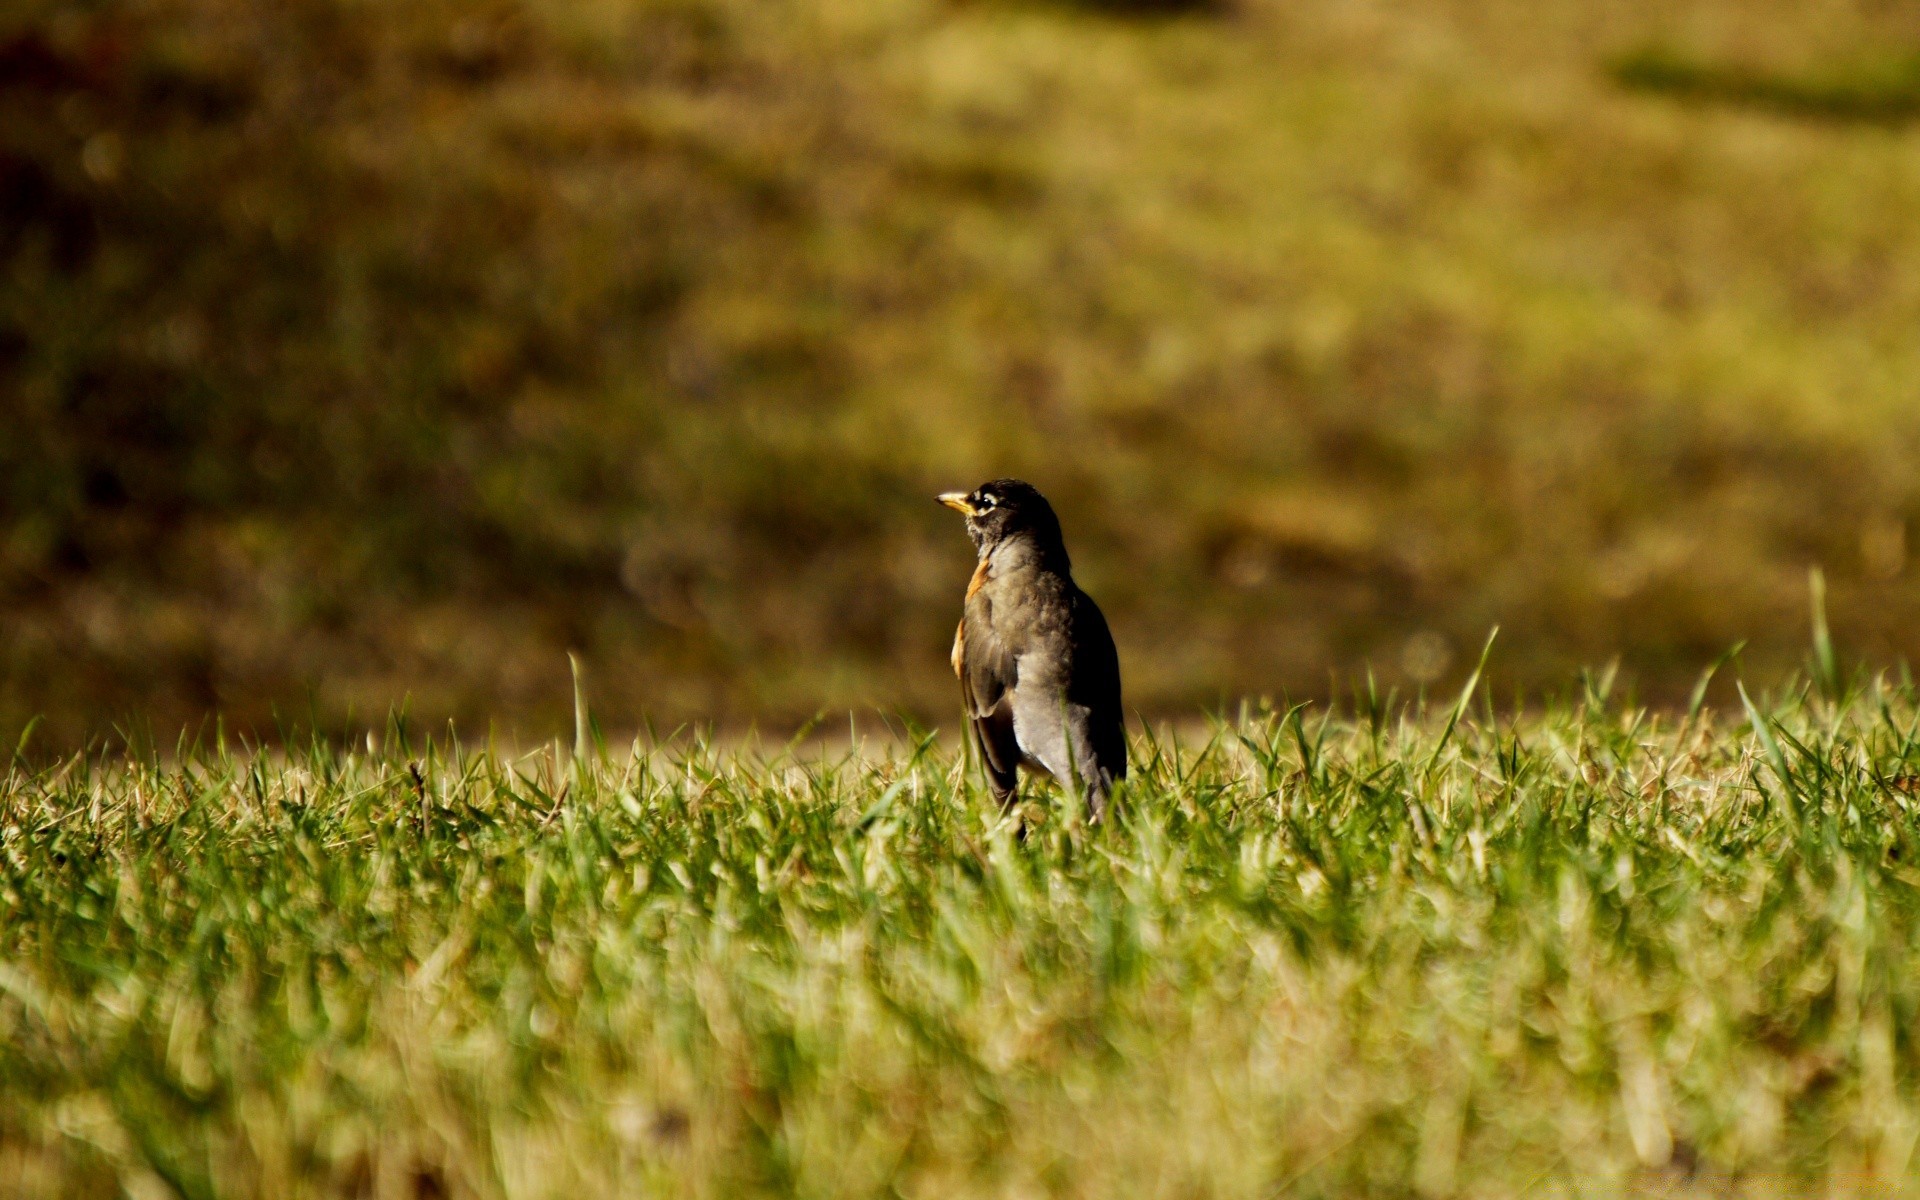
<point>987,672</point>
<point>1095,686</point>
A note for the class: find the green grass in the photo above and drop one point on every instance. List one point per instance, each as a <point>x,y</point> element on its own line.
<point>1589,950</point>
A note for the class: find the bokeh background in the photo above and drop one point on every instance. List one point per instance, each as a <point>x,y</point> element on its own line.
<point>353,350</point>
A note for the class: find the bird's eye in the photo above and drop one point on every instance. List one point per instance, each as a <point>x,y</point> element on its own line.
<point>988,501</point>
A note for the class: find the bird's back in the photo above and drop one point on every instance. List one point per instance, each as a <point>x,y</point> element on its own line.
<point>1095,685</point>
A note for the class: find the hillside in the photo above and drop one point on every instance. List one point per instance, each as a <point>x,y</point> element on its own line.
<point>352,352</point>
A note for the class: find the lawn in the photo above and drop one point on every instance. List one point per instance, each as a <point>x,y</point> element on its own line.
<point>1579,948</point>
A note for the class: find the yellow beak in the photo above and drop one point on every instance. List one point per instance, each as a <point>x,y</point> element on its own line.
<point>956,501</point>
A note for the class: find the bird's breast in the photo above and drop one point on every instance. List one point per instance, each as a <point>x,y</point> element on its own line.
<point>981,574</point>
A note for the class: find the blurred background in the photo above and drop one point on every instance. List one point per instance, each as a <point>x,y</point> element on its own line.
<point>353,350</point>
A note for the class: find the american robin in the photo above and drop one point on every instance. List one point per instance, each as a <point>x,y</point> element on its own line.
<point>1038,672</point>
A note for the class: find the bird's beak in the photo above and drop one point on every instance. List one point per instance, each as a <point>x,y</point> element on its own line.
<point>956,501</point>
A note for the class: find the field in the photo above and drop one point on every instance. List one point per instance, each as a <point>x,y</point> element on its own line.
<point>1389,950</point>
<point>355,350</point>
<point>352,351</point>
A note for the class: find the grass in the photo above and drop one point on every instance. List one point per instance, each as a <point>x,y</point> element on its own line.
<point>354,350</point>
<point>1887,90</point>
<point>1584,950</point>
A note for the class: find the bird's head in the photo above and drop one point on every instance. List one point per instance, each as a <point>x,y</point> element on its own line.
<point>1004,509</point>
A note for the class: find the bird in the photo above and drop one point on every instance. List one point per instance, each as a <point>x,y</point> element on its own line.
<point>1039,673</point>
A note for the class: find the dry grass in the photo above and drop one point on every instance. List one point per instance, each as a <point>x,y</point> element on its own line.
<point>395,349</point>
